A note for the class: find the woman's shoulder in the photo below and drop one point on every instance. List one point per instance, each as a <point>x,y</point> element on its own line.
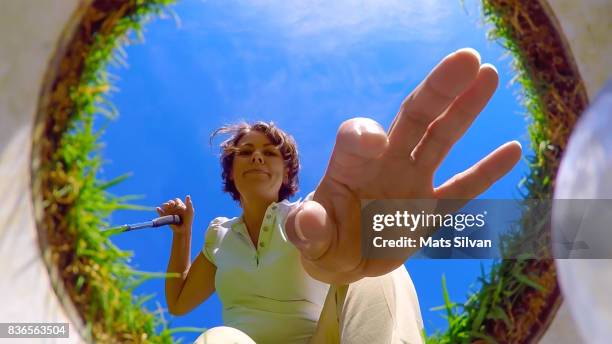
<point>216,233</point>
<point>221,223</point>
<point>218,228</point>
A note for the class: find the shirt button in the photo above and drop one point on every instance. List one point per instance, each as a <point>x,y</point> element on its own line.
<point>268,216</point>
<point>273,207</point>
<point>266,229</point>
<point>261,244</point>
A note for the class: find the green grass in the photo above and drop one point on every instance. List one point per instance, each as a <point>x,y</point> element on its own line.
<point>505,282</point>
<point>104,281</point>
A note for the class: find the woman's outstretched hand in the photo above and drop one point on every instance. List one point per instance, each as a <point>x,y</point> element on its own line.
<point>184,210</point>
<point>369,163</point>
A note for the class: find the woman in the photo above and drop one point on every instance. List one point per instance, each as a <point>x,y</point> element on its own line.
<point>366,163</point>
<point>256,270</point>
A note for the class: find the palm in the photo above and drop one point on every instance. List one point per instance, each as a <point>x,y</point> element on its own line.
<point>387,172</point>
<point>368,163</point>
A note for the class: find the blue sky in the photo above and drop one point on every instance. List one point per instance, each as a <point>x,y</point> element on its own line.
<point>307,66</point>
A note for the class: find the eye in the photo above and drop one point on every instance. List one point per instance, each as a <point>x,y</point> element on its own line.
<point>270,153</point>
<point>244,152</point>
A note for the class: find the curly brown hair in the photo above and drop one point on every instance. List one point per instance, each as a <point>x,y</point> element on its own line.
<point>283,141</point>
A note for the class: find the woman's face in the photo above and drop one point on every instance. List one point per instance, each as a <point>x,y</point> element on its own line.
<point>258,169</point>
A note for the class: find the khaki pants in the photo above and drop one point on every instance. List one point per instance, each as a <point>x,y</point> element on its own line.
<point>382,309</point>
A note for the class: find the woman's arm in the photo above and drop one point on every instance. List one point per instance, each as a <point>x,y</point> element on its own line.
<point>195,283</point>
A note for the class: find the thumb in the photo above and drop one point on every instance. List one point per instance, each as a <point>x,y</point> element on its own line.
<point>310,229</point>
<point>189,203</point>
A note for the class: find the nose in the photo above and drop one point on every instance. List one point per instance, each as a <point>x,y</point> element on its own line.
<point>257,158</point>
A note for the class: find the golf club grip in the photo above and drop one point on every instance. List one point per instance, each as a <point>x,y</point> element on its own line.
<point>167,220</point>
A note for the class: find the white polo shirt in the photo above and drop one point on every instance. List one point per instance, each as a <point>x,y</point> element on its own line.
<point>264,290</point>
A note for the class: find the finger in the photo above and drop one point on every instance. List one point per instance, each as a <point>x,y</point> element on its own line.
<point>478,178</point>
<point>448,128</point>
<point>171,203</point>
<point>178,203</point>
<point>159,211</point>
<point>188,202</point>
<point>358,141</point>
<point>329,253</point>
<point>445,82</point>
<point>320,242</point>
<point>310,230</point>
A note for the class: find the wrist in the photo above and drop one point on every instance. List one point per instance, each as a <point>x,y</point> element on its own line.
<point>182,232</point>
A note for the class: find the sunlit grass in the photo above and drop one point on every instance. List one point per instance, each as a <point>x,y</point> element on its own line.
<point>500,288</point>
<point>102,282</point>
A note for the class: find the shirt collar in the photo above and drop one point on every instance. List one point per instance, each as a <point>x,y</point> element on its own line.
<point>275,209</point>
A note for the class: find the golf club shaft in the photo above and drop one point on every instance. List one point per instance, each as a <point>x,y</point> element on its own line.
<point>157,222</point>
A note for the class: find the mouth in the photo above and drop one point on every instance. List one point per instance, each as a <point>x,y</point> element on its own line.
<point>256,171</point>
